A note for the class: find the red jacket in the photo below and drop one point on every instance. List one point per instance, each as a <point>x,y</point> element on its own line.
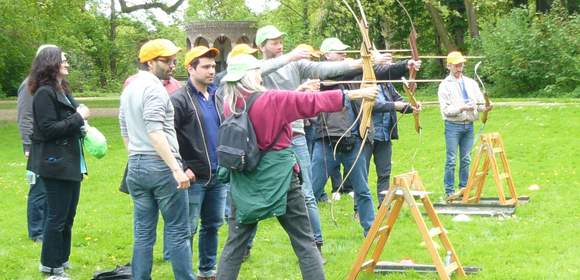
<point>275,110</point>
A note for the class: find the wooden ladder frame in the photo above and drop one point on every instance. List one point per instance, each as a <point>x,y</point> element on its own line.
<point>407,188</point>
<point>491,144</point>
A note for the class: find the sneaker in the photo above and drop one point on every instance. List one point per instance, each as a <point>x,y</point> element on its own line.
<point>66,265</point>
<point>351,194</point>
<point>336,196</point>
<point>62,276</point>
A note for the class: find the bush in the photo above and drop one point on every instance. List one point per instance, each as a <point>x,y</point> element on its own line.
<point>533,56</point>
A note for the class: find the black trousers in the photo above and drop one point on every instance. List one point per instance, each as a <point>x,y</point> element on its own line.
<point>62,197</point>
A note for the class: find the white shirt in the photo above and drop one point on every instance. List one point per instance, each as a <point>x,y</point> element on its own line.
<point>451,99</point>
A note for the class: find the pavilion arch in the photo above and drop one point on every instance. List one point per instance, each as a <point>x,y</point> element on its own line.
<point>223,35</point>
<point>224,45</point>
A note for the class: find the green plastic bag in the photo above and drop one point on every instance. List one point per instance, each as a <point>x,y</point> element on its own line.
<point>95,142</point>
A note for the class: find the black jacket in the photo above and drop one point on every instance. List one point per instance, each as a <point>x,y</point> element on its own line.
<point>56,138</point>
<point>189,128</point>
<point>336,124</point>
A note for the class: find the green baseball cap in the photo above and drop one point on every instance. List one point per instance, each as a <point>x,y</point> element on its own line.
<point>332,44</point>
<point>266,33</point>
<point>239,65</point>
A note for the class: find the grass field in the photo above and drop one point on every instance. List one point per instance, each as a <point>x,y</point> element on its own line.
<point>541,242</point>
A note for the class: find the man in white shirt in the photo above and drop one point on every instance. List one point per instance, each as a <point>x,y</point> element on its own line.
<point>460,99</point>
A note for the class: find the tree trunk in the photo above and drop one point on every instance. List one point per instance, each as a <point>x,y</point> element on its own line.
<point>471,19</point>
<point>305,21</point>
<point>570,5</point>
<point>442,33</point>
<point>386,32</point>
<point>543,6</point>
<point>519,3</point>
<point>112,38</point>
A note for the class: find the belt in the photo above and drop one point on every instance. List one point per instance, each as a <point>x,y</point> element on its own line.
<point>459,122</point>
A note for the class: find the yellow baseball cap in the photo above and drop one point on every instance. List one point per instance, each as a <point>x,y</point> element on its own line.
<point>455,58</point>
<point>309,48</point>
<point>240,49</point>
<point>156,48</point>
<point>197,52</point>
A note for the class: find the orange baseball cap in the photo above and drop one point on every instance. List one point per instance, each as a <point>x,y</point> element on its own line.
<point>156,48</point>
<point>240,49</point>
<point>309,48</point>
<point>455,58</point>
<point>197,52</point>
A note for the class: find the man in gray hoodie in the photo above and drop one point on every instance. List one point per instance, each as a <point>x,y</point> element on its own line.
<point>36,195</point>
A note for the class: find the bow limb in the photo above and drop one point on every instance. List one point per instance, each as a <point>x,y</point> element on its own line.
<point>368,77</point>
<point>411,86</point>
<point>368,80</point>
<point>485,95</point>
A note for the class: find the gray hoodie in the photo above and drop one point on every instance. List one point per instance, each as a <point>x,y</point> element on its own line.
<point>25,114</point>
<point>292,74</point>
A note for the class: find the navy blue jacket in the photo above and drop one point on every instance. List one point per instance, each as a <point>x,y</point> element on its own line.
<point>191,131</point>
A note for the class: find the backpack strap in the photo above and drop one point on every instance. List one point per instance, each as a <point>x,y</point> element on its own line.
<point>275,140</point>
<point>251,100</point>
<point>249,103</point>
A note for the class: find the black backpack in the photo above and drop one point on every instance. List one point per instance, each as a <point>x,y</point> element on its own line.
<point>237,147</point>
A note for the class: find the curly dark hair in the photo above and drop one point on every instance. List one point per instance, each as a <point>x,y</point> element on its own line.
<point>45,69</point>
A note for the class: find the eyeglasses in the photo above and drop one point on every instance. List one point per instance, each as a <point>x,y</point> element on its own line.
<point>167,61</point>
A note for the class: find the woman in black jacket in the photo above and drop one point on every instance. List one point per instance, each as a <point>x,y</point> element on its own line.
<point>56,153</point>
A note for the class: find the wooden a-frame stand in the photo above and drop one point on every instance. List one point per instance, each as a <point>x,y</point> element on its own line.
<point>491,156</point>
<point>406,189</point>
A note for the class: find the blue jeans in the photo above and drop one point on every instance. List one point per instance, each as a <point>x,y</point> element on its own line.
<point>323,162</point>
<point>457,135</point>
<point>309,132</point>
<point>382,153</point>
<point>36,208</point>
<point>207,203</point>
<point>153,189</point>
<point>301,149</point>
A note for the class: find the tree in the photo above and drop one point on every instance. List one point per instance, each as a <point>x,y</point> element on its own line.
<point>150,5</point>
<point>471,19</point>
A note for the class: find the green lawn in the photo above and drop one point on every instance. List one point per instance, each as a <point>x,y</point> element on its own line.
<point>541,242</point>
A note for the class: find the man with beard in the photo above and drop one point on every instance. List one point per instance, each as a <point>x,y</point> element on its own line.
<point>155,178</point>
